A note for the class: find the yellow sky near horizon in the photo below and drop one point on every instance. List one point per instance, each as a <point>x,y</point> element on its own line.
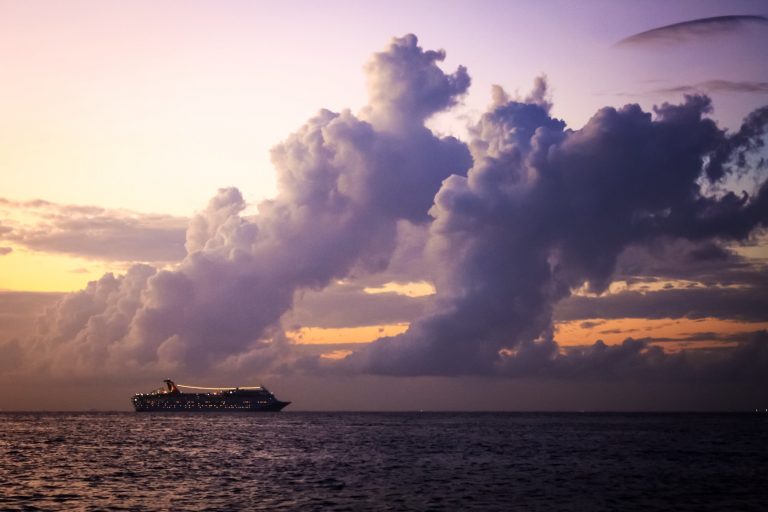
<point>37,271</point>
<point>616,330</point>
<point>691,332</point>
<point>700,333</point>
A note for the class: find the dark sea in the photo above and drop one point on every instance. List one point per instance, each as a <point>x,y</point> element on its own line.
<point>384,461</point>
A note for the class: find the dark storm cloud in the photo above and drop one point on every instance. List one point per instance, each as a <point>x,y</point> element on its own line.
<point>545,210</point>
<point>93,232</point>
<point>694,29</point>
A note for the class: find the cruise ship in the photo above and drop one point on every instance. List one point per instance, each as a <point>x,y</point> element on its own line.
<point>171,399</point>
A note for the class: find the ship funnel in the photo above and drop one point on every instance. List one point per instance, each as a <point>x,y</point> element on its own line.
<point>171,386</point>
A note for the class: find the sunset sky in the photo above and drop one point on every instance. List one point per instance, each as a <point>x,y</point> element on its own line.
<point>394,205</point>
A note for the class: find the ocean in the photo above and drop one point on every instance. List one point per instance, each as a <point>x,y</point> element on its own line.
<point>384,461</point>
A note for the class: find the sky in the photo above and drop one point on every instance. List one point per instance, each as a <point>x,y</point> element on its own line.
<point>439,206</point>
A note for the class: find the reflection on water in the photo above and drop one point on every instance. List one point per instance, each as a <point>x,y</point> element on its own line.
<point>383,461</point>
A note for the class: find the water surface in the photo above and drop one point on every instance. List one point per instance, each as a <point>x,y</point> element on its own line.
<point>383,461</point>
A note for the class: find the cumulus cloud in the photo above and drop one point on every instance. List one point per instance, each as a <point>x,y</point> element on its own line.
<point>18,311</point>
<point>505,226</point>
<point>406,87</point>
<point>702,28</point>
<point>734,151</point>
<point>546,210</point>
<point>345,183</point>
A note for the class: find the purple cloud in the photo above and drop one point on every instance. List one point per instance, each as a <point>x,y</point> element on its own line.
<point>506,227</point>
<point>93,232</point>
<point>545,210</point>
<point>694,29</point>
<point>711,86</point>
<point>345,183</point>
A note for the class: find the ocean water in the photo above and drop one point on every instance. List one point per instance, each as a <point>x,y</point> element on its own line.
<point>384,461</point>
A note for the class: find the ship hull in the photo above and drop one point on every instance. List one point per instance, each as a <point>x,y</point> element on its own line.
<point>208,402</point>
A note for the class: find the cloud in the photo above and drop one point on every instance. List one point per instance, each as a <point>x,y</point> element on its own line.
<point>506,226</point>
<point>748,304</point>
<point>708,337</point>
<point>93,232</point>
<point>734,150</point>
<point>545,210</point>
<point>346,305</point>
<point>149,239</point>
<point>711,282</point>
<point>406,87</point>
<point>715,86</point>
<point>18,311</point>
<point>702,28</point>
<point>707,262</point>
<point>345,184</point>
<point>637,359</point>
<point>5,250</point>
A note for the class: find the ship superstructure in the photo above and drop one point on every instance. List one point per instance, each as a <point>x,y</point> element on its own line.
<point>241,399</point>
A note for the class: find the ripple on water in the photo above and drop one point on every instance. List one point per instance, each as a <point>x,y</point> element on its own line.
<point>375,461</point>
